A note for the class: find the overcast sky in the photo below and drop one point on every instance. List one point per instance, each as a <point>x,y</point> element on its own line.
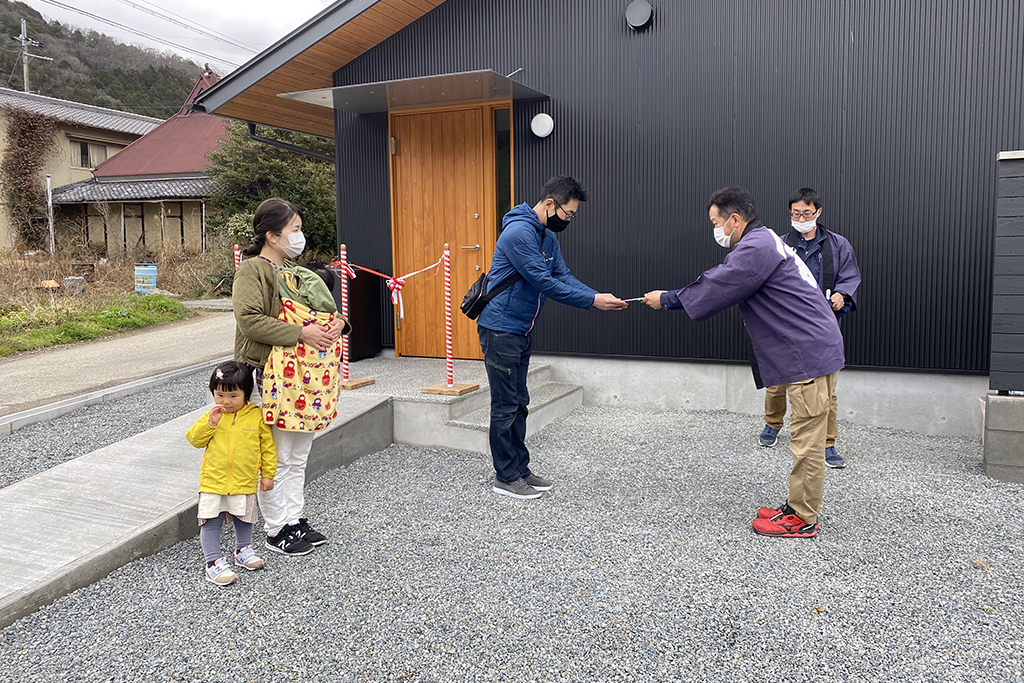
<point>255,23</point>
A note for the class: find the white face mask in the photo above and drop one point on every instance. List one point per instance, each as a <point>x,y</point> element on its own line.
<point>804,227</point>
<point>296,243</point>
<point>720,236</point>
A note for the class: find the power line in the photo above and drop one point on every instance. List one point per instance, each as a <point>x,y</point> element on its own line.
<point>186,19</point>
<point>137,32</point>
<point>198,30</point>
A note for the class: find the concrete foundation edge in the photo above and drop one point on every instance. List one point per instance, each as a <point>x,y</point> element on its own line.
<point>926,403</point>
<point>1004,438</point>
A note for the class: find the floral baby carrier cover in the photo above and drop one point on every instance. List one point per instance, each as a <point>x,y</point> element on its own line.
<point>300,383</point>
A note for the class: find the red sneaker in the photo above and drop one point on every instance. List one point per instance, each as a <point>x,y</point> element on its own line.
<point>787,526</point>
<point>774,513</point>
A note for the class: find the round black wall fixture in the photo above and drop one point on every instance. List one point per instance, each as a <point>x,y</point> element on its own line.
<point>639,14</point>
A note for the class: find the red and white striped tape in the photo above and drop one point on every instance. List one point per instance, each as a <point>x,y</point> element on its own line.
<point>395,285</point>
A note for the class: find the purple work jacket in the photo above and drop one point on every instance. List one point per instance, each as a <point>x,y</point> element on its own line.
<point>792,328</point>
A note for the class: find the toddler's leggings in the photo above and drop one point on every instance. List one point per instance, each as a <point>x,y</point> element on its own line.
<point>209,536</point>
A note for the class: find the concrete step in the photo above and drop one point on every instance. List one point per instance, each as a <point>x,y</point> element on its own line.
<point>420,419</point>
<point>540,398</point>
<point>481,399</point>
<point>424,424</point>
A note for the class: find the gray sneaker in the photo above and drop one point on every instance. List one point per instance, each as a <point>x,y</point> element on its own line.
<point>517,489</point>
<point>538,483</point>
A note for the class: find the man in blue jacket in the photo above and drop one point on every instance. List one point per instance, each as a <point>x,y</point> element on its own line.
<point>527,246</point>
<point>831,260</point>
<point>795,336</point>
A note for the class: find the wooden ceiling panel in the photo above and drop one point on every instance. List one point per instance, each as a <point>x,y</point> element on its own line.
<point>365,29</point>
<point>291,80</point>
<point>307,114</point>
<point>279,116</point>
<point>386,21</point>
<point>347,42</point>
<point>402,11</point>
<point>325,58</point>
<point>311,61</point>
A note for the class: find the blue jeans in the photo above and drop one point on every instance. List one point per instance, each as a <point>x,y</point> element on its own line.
<point>507,358</point>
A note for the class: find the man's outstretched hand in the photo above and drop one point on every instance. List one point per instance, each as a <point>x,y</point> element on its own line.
<point>609,302</point>
<point>653,299</point>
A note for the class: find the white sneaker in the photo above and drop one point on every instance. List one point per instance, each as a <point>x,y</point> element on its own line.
<point>246,557</point>
<point>220,573</point>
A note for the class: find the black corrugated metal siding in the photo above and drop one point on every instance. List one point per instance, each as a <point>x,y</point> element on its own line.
<point>364,199</point>
<point>894,111</point>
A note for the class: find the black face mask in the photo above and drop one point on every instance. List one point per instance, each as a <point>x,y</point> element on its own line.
<point>556,223</point>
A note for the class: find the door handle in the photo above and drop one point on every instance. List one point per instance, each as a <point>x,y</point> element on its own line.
<point>472,246</point>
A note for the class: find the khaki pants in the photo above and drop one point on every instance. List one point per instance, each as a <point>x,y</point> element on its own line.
<point>807,428</point>
<point>775,411</point>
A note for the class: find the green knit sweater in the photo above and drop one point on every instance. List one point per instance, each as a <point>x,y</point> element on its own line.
<point>256,301</point>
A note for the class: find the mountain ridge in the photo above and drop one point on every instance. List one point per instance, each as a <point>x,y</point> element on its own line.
<point>93,68</point>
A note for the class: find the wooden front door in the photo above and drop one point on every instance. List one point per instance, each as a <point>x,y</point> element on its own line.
<point>442,191</point>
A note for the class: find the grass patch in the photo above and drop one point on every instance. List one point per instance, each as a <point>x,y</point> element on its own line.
<point>25,329</point>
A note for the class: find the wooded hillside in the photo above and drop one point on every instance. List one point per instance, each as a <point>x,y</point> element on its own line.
<point>91,67</point>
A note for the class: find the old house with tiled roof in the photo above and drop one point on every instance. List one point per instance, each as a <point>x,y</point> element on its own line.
<point>86,137</point>
<point>153,194</point>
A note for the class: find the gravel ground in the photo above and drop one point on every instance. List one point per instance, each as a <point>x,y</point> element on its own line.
<point>639,566</point>
<point>43,445</point>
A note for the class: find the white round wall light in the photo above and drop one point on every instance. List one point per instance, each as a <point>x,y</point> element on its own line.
<point>638,14</point>
<point>542,125</point>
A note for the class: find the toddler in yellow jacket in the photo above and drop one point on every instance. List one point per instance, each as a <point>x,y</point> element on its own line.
<point>240,458</point>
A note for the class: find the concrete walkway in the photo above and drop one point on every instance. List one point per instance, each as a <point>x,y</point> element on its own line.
<point>133,498</point>
<point>53,374</point>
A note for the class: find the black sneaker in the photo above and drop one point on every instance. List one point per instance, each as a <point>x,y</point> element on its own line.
<point>289,541</point>
<point>311,535</point>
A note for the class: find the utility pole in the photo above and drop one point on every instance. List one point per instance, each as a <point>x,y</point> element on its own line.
<point>26,42</point>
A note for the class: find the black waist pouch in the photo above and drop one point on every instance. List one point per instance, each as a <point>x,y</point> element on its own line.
<point>478,297</point>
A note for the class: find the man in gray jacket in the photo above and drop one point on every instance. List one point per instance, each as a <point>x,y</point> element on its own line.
<point>830,258</point>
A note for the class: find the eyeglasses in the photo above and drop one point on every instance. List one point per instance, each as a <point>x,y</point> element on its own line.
<point>803,214</point>
<point>569,215</point>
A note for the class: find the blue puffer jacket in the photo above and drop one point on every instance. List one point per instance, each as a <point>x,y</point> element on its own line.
<point>531,249</point>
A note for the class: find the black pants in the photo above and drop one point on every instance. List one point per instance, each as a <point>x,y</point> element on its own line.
<point>507,357</point>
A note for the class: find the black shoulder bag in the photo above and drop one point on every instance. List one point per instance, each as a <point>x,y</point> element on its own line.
<point>478,297</point>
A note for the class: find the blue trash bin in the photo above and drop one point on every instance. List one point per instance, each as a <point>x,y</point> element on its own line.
<point>145,278</point>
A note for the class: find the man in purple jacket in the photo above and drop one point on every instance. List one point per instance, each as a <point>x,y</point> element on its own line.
<point>795,337</point>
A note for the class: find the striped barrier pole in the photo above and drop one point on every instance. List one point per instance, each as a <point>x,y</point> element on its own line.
<point>238,257</point>
<point>345,271</point>
<point>344,310</point>
<point>448,314</point>
<point>448,387</point>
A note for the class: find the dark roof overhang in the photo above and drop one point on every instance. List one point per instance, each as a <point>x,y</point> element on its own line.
<point>468,87</point>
